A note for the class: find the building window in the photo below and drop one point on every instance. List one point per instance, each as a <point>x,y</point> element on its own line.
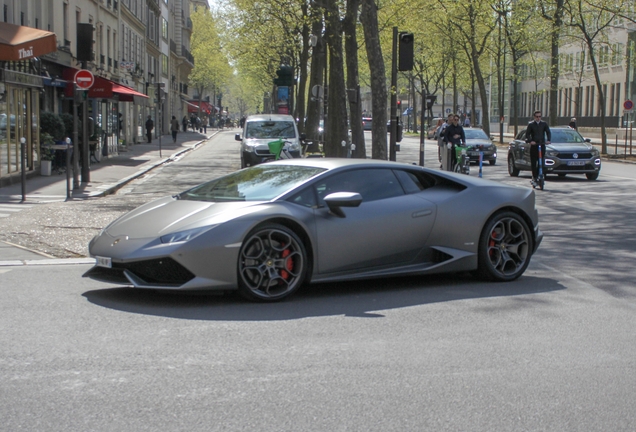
<point>164,65</point>
<point>164,28</point>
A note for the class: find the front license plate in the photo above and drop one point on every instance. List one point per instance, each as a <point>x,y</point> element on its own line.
<point>576,163</point>
<point>104,262</point>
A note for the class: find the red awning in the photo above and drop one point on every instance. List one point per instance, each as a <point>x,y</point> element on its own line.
<point>106,89</point>
<point>206,107</point>
<point>22,43</point>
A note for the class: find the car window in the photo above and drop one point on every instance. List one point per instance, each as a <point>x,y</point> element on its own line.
<point>475,134</point>
<point>260,183</point>
<point>270,129</point>
<point>566,136</point>
<point>372,184</point>
<point>521,135</point>
<point>306,197</point>
<point>412,182</point>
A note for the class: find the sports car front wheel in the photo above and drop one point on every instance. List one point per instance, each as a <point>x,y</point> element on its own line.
<point>272,263</point>
<point>505,247</point>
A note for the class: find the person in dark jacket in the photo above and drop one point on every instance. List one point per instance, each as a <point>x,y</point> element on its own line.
<point>454,135</point>
<point>149,127</point>
<point>537,134</point>
<point>573,123</point>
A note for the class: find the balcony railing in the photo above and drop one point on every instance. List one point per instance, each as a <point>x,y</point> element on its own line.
<point>185,53</point>
<point>173,46</point>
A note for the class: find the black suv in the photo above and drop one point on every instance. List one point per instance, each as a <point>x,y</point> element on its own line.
<point>568,153</point>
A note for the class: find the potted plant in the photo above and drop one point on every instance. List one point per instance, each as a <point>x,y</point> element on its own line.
<point>47,154</point>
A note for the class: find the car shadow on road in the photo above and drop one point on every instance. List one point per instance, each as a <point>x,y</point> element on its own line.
<point>355,299</point>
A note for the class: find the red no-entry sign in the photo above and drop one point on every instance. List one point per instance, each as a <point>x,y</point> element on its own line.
<point>84,79</point>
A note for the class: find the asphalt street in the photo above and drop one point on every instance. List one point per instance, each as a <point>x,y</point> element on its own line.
<point>552,351</point>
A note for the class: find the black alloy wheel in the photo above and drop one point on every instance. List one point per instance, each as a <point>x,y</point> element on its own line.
<point>505,247</point>
<point>272,263</point>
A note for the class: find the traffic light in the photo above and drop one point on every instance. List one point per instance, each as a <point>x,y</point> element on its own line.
<point>405,56</point>
<point>399,106</point>
<point>285,76</point>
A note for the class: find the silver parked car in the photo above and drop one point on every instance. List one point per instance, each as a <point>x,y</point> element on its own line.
<point>568,153</point>
<point>267,230</point>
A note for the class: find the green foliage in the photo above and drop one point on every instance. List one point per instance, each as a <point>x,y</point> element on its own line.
<point>68,124</point>
<point>51,125</point>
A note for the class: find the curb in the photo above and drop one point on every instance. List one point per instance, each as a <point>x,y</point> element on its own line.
<point>123,182</point>
<point>47,262</point>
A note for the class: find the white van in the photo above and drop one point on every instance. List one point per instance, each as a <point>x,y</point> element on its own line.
<point>261,129</point>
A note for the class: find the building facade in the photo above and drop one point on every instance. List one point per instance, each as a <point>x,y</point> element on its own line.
<point>132,47</point>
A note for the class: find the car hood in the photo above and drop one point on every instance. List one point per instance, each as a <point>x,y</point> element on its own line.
<point>478,141</point>
<point>169,215</point>
<point>570,147</point>
<point>261,143</point>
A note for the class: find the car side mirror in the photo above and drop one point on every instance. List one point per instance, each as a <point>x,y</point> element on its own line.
<point>237,137</point>
<point>337,200</point>
<point>492,137</point>
<point>588,140</point>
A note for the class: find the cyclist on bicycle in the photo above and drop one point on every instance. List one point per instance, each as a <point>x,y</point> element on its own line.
<point>454,135</point>
<point>537,134</point>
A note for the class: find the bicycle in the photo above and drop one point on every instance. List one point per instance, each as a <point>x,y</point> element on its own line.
<point>462,164</point>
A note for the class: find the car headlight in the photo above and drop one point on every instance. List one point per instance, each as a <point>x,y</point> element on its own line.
<point>552,153</point>
<point>294,146</point>
<point>249,148</point>
<point>595,153</point>
<point>186,235</point>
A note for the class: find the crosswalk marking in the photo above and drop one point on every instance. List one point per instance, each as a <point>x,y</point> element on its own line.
<point>7,209</point>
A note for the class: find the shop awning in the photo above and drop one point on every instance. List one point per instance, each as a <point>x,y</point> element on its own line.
<point>106,89</point>
<point>22,43</point>
<point>206,107</point>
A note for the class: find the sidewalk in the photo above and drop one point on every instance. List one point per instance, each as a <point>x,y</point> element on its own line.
<point>108,175</point>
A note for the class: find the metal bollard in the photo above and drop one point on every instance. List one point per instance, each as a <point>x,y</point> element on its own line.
<point>23,166</point>
<point>68,168</point>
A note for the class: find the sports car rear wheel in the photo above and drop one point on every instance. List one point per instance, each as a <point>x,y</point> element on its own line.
<point>505,247</point>
<point>272,263</point>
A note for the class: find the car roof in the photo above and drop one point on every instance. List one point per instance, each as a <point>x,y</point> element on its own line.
<point>270,117</point>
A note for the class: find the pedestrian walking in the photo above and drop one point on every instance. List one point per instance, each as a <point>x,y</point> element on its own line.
<point>537,134</point>
<point>174,128</point>
<point>573,123</point>
<point>441,137</point>
<point>204,124</point>
<point>454,135</point>
<point>150,125</point>
<point>185,123</point>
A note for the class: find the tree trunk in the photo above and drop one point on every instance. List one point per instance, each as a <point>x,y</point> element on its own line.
<point>557,22</point>
<point>302,83</point>
<point>315,105</point>
<point>336,124</point>
<point>369,20</point>
<point>353,85</point>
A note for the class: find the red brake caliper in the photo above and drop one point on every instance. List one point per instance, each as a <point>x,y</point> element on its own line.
<point>491,243</point>
<point>289,265</point>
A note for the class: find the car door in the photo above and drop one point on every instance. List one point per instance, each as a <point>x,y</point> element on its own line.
<point>389,228</point>
<point>521,151</point>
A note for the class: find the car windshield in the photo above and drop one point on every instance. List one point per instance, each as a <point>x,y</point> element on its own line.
<point>259,183</point>
<point>270,129</point>
<point>475,134</point>
<point>566,136</point>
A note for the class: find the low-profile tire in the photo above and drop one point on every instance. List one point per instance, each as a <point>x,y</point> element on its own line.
<point>272,263</point>
<point>505,247</point>
<point>512,170</point>
<point>592,176</point>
